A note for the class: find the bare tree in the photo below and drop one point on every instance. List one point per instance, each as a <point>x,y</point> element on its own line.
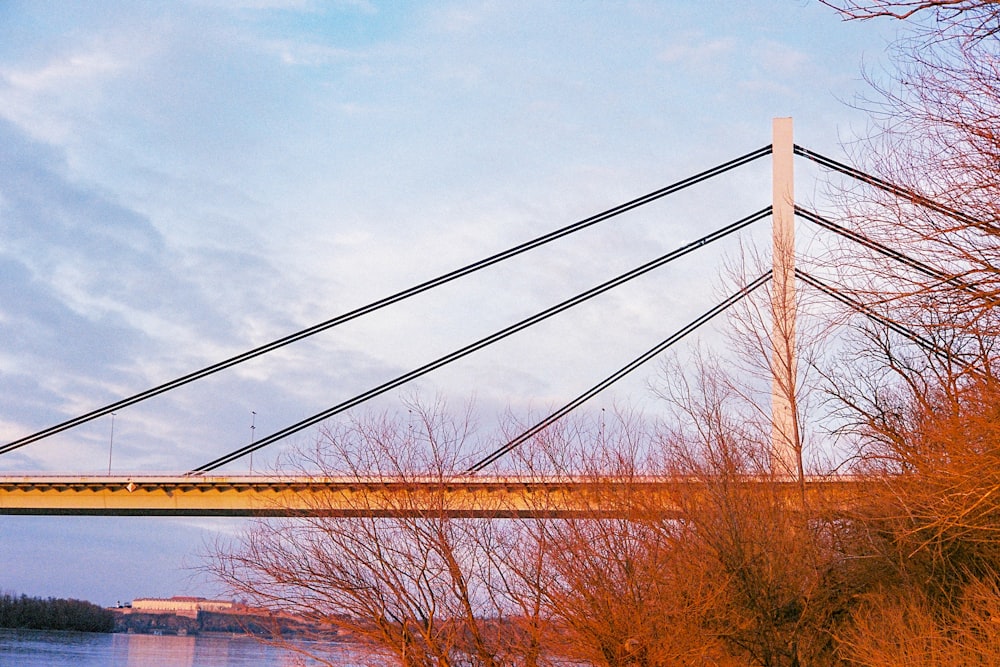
<point>922,535</point>
<point>616,590</point>
<point>407,581</point>
<point>766,554</point>
<point>933,513</point>
<point>895,627</point>
<point>775,346</point>
<point>972,16</point>
<point>935,137</point>
<point>924,410</point>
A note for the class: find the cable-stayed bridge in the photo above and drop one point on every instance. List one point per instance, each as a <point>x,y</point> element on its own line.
<point>474,492</point>
<point>473,496</point>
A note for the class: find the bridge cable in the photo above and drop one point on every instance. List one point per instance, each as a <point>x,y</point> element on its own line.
<point>611,379</point>
<point>389,300</point>
<point>870,313</point>
<point>483,342</point>
<point>891,188</point>
<point>921,267</point>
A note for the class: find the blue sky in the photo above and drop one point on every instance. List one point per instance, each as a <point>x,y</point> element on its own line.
<point>182,181</point>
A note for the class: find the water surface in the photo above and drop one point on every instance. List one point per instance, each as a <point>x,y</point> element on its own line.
<point>40,648</point>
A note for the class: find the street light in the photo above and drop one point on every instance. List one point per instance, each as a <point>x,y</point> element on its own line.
<point>111,443</point>
<point>253,426</point>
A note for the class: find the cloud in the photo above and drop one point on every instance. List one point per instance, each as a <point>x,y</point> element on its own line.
<point>47,99</point>
<point>309,6</point>
<point>780,59</point>
<point>69,256</point>
<point>698,52</point>
<point>99,256</point>
<point>461,19</point>
<point>96,304</point>
<point>66,72</point>
<point>89,289</point>
<point>310,54</point>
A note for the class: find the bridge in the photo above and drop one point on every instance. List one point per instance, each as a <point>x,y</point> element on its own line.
<point>472,492</point>
<point>461,496</point>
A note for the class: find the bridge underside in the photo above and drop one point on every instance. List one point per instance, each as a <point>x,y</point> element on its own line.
<point>273,496</point>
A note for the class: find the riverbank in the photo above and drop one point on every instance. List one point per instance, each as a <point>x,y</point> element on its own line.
<point>23,612</point>
<point>209,623</point>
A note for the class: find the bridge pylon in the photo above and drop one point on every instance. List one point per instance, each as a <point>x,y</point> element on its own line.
<point>786,447</point>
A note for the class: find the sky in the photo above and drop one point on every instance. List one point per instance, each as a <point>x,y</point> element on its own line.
<point>183,181</point>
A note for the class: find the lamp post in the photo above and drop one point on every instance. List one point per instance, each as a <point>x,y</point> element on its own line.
<point>253,426</point>
<point>111,442</point>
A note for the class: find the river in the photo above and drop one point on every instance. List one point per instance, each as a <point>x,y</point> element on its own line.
<point>38,648</point>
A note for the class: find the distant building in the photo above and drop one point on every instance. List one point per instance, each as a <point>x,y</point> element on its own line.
<point>180,605</point>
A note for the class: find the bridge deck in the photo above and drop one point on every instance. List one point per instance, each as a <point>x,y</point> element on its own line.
<point>279,495</point>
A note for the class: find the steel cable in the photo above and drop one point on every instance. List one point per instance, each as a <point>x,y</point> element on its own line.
<point>891,188</point>
<point>618,375</point>
<point>868,312</point>
<point>922,267</point>
<point>483,342</point>
<point>395,298</point>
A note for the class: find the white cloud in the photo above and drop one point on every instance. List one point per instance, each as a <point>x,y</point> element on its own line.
<point>310,54</point>
<point>781,59</point>
<point>300,5</point>
<point>766,87</point>
<point>51,100</point>
<point>66,72</point>
<point>695,51</point>
<point>460,19</point>
<point>363,6</point>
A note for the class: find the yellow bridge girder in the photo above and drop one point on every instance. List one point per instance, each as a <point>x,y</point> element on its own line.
<point>307,495</point>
